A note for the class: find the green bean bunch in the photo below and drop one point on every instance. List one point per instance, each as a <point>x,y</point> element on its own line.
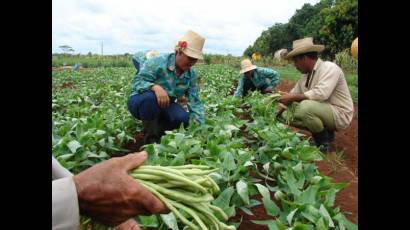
<point>187,191</point>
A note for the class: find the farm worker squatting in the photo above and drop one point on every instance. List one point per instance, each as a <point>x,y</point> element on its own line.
<point>163,79</point>
<point>325,101</point>
<point>139,58</point>
<point>253,78</point>
<point>103,192</point>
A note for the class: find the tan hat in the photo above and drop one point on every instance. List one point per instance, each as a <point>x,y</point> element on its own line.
<point>152,53</point>
<point>246,65</point>
<point>304,45</point>
<point>191,44</point>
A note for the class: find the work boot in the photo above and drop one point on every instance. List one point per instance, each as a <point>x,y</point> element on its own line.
<point>331,135</point>
<point>151,131</point>
<point>322,140</point>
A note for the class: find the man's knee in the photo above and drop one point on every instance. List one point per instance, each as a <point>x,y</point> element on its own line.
<point>305,108</point>
<point>143,106</point>
<point>182,117</point>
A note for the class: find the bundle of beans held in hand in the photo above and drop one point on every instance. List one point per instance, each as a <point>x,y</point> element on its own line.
<point>187,191</point>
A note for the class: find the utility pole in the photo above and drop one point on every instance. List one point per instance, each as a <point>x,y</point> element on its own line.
<point>102,48</point>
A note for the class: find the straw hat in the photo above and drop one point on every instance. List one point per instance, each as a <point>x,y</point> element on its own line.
<point>355,47</point>
<point>246,65</point>
<point>304,45</point>
<point>152,53</point>
<point>191,44</point>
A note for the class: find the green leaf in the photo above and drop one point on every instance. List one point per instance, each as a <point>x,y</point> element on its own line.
<point>231,128</point>
<point>339,186</point>
<point>310,153</point>
<point>290,216</point>
<point>330,197</point>
<point>341,226</point>
<point>93,155</point>
<point>320,224</point>
<point>65,156</point>
<point>229,162</point>
<point>253,203</point>
<point>270,223</point>
<point>308,196</point>
<point>273,189</point>
<point>148,221</point>
<point>279,195</point>
<point>301,181</point>
<point>315,179</point>
<point>101,142</point>
<point>300,226</point>
<point>242,189</point>
<point>266,167</point>
<point>224,198</point>
<point>73,145</point>
<point>100,132</point>
<point>311,213</point>
<point>170,220</point>
<point>263,191</point>
<point>179,159</point>
<point>291,181</point>
<point>87,163</point>
<point>214,149</point>
<point>248,163</point>
<point>247,211</point>
<point>230,211</point>
<point>298,168</point>
<point>270,206</point>
<point>342,219</point>
<point>218,178</point>
<point>326,216</point>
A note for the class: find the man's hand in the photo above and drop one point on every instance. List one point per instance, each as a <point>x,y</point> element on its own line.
<point>268,90</point>
<point>108,194</point>
<point>181,100</point>
<point>162,96</point>
<point>285,98</point>
<point>281,107</point>
<point>288,98</point>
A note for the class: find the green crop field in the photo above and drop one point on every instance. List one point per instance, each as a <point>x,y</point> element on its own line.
<point>252,152</point>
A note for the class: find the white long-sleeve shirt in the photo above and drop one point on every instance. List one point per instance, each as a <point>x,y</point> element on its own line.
<point>328,84</point>
<point>65,210</point>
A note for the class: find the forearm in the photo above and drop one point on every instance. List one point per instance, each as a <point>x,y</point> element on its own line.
<point>239,88</point>
<point>197,112</point>
<point>238,92</point>
<point>287,98</point>
<point>298,97</point>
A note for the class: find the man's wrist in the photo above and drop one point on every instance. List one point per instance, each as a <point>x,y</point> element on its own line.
<point>79,188</point>
<point>299,97</point>
<point>152,87</point>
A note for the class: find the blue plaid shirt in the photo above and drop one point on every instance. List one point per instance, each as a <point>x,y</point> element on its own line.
<point>161,70</point>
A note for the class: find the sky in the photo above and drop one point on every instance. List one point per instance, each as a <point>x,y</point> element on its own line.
<point>128,26</point>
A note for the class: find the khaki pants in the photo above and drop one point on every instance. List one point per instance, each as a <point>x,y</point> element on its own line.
<point>313,116</point>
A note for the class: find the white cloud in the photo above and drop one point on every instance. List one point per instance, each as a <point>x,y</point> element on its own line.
<point>127,26</point>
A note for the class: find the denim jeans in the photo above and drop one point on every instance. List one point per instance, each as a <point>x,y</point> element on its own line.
<point>144,106</point>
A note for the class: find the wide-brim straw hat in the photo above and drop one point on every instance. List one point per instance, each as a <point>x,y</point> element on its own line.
<point>304,45</point>
<point>246,65</point>
<point>191,44</point>
<point>152,53</point>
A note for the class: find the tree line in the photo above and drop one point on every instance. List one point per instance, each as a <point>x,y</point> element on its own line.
<point>333,23</point>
